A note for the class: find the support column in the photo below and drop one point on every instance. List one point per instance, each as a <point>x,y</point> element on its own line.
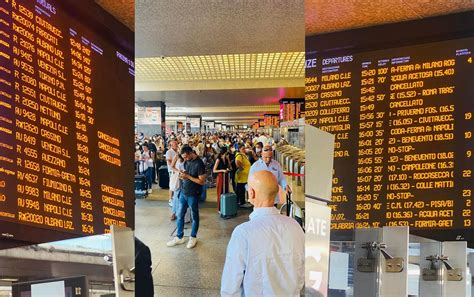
<point>163,119</point>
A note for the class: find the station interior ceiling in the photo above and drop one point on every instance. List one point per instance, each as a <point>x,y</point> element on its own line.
<point>228,61</point>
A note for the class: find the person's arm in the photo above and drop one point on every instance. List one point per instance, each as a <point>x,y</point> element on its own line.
<point>173,164</point>
<point>282,180</point>
<point>234,267</point>
<point>168,158</point>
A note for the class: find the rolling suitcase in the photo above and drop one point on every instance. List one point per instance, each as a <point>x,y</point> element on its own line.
<point>228,202</point>
<point>164,177</point>
<point>141,184</point>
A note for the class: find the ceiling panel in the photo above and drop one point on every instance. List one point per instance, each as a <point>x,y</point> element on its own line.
<point>203,27</point>
<point>122,10</point>
<point>222,67</point>
<point>322,16</point>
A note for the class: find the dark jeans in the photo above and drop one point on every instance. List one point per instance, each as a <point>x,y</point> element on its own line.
<point>148,175</point>
<point>184,202</point>
<point>240,192</point>
<point>153,174</point>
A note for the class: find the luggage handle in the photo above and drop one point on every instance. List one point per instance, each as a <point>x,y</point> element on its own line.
<point>226,183</point>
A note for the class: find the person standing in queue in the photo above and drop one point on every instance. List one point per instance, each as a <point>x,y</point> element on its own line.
<point>265,256</point>
<point>153,150</point>
<point>232,153</point>
<point>170,155</point>
<point>193,178</point>
<point>266,162</point>
<point>258,150</point>
<point>221,169</point>
<point>147,158</point>
<point>242,174</point>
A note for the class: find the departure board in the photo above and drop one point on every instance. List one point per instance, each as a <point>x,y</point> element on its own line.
<point>66,121</point>
<point>291,109</point>
<point>271,120</point>
<point>403,123</point>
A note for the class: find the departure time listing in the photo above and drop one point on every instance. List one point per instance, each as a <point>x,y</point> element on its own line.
<point>50,141</point>
<point>403,123</point>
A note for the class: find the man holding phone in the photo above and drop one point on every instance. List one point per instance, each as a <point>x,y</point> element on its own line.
<point>193,178</point>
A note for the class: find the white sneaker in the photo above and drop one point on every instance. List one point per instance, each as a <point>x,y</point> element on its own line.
<point>150,191</point>
<point>192,242</point>
<point>175,241</point>
<point>246,205</point>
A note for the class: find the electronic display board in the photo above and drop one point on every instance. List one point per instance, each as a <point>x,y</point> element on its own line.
<point>66,120</point>
<point>403,118</point>
<point>291,109</point>
<point>271,120</point>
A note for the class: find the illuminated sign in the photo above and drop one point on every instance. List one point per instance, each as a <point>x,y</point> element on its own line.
<point>291,109</point>
<point>403,123</point>
<point>271,120</point>
<point>66,103</point>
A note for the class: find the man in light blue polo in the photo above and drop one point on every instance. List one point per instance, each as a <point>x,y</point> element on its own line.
<point>266,162</point>
<point>265,256</point>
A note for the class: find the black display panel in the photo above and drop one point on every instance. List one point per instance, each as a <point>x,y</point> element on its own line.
<point>66,120</point>
<point>403,118</point>
<point>291,109</point>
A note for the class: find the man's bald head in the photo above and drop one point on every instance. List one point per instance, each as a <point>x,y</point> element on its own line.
<point>267,154</point>
<point>263,188</point>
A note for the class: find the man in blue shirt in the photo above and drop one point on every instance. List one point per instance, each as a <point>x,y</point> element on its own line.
<point>266,162</point>
<point>265,256</point>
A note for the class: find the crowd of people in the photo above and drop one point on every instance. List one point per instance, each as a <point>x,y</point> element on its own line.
<point>227,157</point>
<point>245,162</point>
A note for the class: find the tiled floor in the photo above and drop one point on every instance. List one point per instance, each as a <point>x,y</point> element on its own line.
<point>178,271</point>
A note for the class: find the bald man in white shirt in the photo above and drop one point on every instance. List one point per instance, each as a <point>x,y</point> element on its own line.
<point>265,256</point>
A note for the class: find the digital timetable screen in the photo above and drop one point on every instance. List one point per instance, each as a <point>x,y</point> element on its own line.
<point>291,109</point>
<point>66,121</point>
<point>403,120</point>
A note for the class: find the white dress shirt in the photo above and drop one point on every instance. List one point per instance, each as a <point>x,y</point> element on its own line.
<point>275,168</point>
<point>265,257</point>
